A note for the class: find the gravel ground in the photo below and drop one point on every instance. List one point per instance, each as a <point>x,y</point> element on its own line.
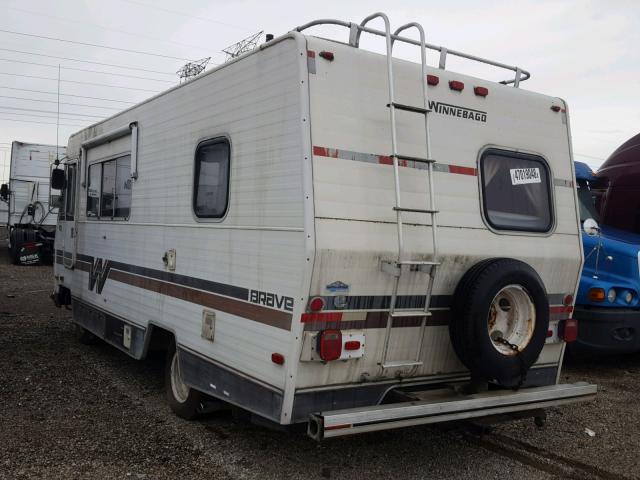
<point>73,411</point>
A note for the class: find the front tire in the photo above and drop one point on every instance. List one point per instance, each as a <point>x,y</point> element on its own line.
<point>183,400</point>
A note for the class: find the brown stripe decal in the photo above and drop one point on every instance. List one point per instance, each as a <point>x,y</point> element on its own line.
<point>268,316</point>
<point>251,311</point>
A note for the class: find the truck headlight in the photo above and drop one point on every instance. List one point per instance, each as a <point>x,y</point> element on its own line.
<point>628,297</point>
<point>611,295</point>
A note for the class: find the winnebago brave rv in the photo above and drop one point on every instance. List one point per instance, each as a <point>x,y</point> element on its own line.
<point>32,207</point>
<point>320,234</point>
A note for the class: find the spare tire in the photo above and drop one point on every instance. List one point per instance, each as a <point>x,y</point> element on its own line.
<point>499,321</point>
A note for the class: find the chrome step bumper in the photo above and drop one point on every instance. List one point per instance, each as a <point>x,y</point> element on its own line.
<point>339,423</point>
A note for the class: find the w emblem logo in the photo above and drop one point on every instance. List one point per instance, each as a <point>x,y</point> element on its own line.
<point>98,274</point>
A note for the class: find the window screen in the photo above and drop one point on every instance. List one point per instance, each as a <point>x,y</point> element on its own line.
<point>93,190</point>
<point>516,191</point>
<point>211,183</point>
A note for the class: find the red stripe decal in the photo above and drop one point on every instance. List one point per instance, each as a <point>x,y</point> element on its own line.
<point>561,309</point>
<point>338,427</point>
<point>463,170</point>
<point>311,54</point>
<point>385,160</point>
<point>321,317</point>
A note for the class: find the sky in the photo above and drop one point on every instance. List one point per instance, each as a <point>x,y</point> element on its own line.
<point>585,52</point>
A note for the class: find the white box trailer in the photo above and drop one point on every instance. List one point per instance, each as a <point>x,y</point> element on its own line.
<point>32,206</point>
<point>325,235</point>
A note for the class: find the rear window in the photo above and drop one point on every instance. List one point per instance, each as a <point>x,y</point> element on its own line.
<point>516,191</point>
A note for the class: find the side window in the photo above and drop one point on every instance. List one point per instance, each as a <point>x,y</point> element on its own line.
<point>109,190</point>
<point>211,182</point>
<point>516,191</point>
<point>93,190</point>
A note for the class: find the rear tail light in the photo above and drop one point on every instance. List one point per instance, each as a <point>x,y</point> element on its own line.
<point>330,345</point>
<point>568,299</point>
<point>433,80</point>
<point>597,294</point>
<point>568,330</point>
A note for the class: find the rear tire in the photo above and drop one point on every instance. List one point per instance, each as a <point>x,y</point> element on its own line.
<point>183,400</point>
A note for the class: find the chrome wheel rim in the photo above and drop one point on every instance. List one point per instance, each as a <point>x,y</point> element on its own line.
<point>511,320</point>
<point>178,387</point>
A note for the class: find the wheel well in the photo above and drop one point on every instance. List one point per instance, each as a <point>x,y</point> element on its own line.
<point>159,339</point>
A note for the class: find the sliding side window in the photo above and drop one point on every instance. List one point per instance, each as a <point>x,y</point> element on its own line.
<point>211,182</point>
<point>516,191</point>
<point>109,190</point>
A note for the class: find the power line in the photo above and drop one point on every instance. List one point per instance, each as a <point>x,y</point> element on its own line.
<point>79,82</point>
<point>82,122</point>
<point>86,61</point>
<point>86,44</point>
<point>84,70</point>
<point>50,111</point>
<point>83,22</point>
<point>61,103</point>
<point>66,95</point>
<point>40,123</point>
<point>182,14</point>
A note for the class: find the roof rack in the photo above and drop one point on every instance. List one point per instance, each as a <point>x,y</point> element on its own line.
<point>355,30</point>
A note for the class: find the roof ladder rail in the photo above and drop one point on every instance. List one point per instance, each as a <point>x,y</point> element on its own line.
<point>395,267</point>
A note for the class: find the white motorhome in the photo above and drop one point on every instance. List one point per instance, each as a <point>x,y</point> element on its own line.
<point>32,206</point>
<point>325,235</point>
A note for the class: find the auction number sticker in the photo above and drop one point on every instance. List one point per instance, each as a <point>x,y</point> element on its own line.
<point>520,176</point>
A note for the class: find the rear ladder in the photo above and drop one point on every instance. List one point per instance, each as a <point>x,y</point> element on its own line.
<point>396,266</point>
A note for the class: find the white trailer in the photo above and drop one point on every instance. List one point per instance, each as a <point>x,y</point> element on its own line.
<point>325,235</point>
<point>31,206</point>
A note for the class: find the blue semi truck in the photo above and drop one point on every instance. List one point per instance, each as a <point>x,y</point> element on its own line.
<point>607,306</point>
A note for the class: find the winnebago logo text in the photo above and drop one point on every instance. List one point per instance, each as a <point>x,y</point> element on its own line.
<point>98,274</point>
<point>456,111</point>
<point>271,300</point>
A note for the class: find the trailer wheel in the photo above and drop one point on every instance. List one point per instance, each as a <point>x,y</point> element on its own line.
<point>183,400</point>
<point>500,319</point>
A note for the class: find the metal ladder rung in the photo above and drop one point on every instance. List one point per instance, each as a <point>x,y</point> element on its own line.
<point>410,108</point>
<point>414,159</point>
<point>409,313</point>
<point>415,210</point>
<point>401,363</point>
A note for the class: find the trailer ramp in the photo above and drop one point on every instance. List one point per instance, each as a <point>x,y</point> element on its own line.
<point>339,423</point>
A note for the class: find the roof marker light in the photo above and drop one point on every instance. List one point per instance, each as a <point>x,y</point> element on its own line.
<point>481,91</point>
<point>456,85</point>
<point>327,55</point>
<point>555,108</point>
<point>433,80</point>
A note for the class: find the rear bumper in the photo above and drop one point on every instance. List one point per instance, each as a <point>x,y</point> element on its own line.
<point>455,407</point>
<point>607,330</point>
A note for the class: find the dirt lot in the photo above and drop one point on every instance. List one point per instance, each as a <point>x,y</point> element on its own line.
<point>74,411</point>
